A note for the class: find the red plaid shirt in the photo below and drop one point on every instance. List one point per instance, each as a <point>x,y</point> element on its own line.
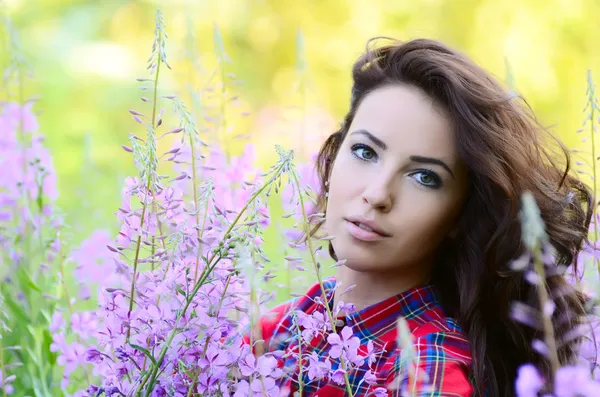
<point>443,360</point>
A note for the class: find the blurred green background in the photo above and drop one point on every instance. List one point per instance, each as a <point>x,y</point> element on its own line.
<point>86,55</point>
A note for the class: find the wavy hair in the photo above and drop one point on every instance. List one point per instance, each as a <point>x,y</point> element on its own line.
<point>507,152</point>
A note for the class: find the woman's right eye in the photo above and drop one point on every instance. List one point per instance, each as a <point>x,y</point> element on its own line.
<point>363,152</point>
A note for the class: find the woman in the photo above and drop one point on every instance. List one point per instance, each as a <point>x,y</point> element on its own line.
<point>421,190</point>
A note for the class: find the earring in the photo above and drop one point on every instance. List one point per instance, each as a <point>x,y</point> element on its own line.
<point>327,183</point>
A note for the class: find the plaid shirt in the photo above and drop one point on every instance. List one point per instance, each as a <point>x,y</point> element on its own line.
<point>440,346</point>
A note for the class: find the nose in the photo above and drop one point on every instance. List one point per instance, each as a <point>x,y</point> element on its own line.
<point>378,194</point>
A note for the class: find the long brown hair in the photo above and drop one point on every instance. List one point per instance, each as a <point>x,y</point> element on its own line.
<point>507,152</point>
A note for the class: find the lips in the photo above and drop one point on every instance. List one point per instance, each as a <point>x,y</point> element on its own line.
<point>368,225</point>
<point>365,230</point>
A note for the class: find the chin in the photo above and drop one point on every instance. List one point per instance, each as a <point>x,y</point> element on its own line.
<point>358,260</point>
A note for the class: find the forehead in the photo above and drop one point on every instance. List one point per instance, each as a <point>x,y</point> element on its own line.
<point>406,119</point>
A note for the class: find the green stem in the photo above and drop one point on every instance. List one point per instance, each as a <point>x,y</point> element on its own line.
<point>25,142</point>
<point>301,373</point>
<point>199,233</point>
<point>217,312</point>
<point>148,186</point>
<point>222,110</point>
<point>547,320</point>
<point>594,176</point>
<point>318,274</point>
<point>208,269</point>
<point>2,374</point>
<point>137,253</point>
<point>191,388</point>
<point>61,268</point>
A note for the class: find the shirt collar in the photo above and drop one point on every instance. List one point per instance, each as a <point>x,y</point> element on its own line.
<point>410,304</point>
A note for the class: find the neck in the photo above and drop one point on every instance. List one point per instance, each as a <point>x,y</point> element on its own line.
<point>371,288</point>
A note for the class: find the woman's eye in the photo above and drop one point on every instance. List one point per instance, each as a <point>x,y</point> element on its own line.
<point>428,178</point>
<point>363,152</point>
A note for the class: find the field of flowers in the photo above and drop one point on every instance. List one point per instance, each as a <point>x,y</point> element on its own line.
<point>161,308</point>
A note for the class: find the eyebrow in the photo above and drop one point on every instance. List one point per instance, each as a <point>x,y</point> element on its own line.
<point>372,137</point>
<point>417,159</point>
<point>431,160</point>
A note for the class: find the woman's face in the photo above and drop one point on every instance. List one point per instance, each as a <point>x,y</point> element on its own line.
<point>398,171</point>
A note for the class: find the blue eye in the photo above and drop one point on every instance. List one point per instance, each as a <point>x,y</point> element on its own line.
<point>363,152</point>
<point>428,178</point>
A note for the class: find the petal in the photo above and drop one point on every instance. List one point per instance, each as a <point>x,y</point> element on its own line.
<point>347,333</point>
<point>334,339</point>
<point>335,352</point>
<point>370,346</point>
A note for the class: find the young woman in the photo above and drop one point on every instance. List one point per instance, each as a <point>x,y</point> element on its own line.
<point>421,189</point>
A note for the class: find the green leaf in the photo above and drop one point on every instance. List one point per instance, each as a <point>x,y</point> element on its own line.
<point>40,200</point>
<point>16,310</point>
<point>180,290</point>
<point>145,351</point>
<point>46,342</point>
<point>27,281</point>
<point>33,356</point>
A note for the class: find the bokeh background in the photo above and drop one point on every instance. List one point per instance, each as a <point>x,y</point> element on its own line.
<point>292,59</point>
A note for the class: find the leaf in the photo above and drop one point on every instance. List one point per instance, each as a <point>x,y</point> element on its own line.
<point>27,281</point>
<point>40,200</point>
<point>16,310</point>
<point>180,290</point>
<point>145,351</point>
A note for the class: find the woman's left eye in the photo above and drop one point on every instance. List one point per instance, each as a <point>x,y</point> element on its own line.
<point>363,152</point>
<point>428,178</point>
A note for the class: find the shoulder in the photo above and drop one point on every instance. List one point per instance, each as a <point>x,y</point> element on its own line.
<point>435,359</point>
<point>436,363</point>
<point>276,325</point>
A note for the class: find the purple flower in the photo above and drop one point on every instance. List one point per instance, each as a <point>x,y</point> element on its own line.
<point>317,369</point>
<point>248,365</point>
<point>338,345</point>
<point>92,390</point>
<point>346,345</point>
<point>266,365</point>
<point>113,391</point>
<point>529,382</point>
<point>94,356</point>
<point>84,324</point>
<point>313,324</point>
<point>262,386</point>
<point>57,322</point>
<point>215,360</point>
<point>121,354</point>
<point>207,384</point>
<point>158,391</point>
<point>5,384</point>
<point>573,381</point>
<point>337,376</point>
<point>344,308</point>
<point>380,392</point>
<point>370,377</point>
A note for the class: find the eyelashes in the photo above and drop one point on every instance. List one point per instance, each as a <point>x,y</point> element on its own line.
<point>423,176</point>
<point>434,182</point>
<point>366,148</point>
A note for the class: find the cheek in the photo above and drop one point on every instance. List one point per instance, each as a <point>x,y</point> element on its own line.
<point>347,178</point>
<point>426,219</point>
<point>342,190</point>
